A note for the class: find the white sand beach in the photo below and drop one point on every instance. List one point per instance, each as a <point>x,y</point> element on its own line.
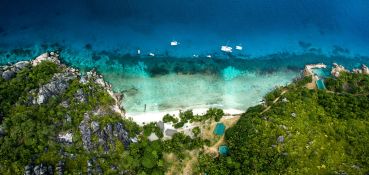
<point>147,117</point>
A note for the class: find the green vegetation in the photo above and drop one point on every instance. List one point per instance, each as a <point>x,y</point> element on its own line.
<point>315,132</point>
<point>312,132</point>
<point>169,118</point>
<point>27,79</point>
<point>188,116</point>
<point>350,83</point>
<point>31,131</point>
<point>152,128</point>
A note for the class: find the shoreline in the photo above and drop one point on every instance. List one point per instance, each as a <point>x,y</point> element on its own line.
<point>142,118</point>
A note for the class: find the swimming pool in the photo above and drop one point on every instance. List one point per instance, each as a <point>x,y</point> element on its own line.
<point>320,84</point>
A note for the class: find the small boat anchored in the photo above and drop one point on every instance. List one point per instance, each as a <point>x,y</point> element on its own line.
<point>239,47</point>
<point>174,43</point>
<point>226,49</point>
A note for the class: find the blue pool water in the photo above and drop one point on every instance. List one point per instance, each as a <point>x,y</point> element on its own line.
<point>278,39</point>
<point>320,84</point>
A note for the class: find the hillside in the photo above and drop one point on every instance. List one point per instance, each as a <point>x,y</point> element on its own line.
<point>305,131</point>
<point>56,120</point>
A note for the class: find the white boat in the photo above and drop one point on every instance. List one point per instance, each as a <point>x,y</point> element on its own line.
<point>209,56</point>
<point>196,56</point>
<point>138,52</point>
<point>226,49</point>
<point>151,54</point>
<point>239,47</point>
<point>174,43</point>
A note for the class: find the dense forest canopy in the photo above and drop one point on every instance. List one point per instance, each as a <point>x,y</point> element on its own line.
<point>305,132</point>
<point>296,131</point>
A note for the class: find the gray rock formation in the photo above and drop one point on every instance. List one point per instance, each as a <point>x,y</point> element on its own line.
<point>80,96</point>
<point>59,169</point>
<point>280,139</point>
<point>86,132</point>
<point>41,169</point>
<point>95,126</point>
<point>58,84</point>
<point>106,135</point>
<point>20,65</point>
<point>8,74</point>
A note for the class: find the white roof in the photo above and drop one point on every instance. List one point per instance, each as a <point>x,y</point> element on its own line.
<point>239,47</point>
<point>153,137</point>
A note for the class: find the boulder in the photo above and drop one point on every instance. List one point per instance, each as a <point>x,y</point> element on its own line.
<point>8,74</point>
<point>20,65</point>
<point>66,137</point>
<point>65,104</point>
<point>293,114</point>
<point>280,139</point>
<point>83,80</point>
<point>80,96</point>
<point>48,57</point>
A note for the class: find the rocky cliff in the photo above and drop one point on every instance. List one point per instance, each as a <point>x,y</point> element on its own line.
<point>55,120</point>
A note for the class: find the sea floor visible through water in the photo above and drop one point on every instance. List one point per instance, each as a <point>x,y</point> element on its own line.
<point>153,86</point>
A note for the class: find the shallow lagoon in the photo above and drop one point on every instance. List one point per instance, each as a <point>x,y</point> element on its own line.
<point>153,85</point>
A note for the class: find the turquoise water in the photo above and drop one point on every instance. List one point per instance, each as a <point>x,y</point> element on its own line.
<point>322,73</point>
<point>278,39</point>
<point>219,129</point>
<point>320,84</point>
<point>169,83</point>
<point>223,150</point>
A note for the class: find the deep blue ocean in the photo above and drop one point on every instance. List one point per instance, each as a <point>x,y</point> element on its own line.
<point>278,38</point>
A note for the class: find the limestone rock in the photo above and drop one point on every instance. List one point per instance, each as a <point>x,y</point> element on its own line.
<point>58,84</point>
<point>41,169</point>
<point>59,169</point>
<point>80,96</point>
<point>95,126</point>
<point>8,74</point>
<point>20,65</point>
<point>280,139</point>
<point>86,132</point>
<point>46,56</point>
<point>66,137</point>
